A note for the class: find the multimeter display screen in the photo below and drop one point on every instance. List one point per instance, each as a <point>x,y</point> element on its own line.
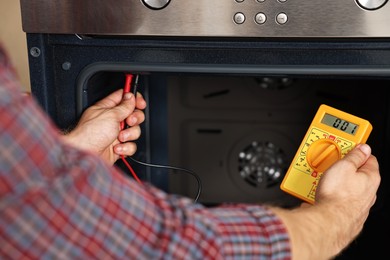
<point>340,124</point>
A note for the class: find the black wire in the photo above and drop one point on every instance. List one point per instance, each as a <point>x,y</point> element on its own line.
<point>134,91</point>
<point>135,84</point>
<point>177,169</point>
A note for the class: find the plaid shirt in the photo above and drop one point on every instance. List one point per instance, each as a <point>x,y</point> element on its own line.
<point>57,202</point>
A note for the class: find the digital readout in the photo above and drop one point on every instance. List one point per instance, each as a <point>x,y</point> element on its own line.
<point>340,124</point>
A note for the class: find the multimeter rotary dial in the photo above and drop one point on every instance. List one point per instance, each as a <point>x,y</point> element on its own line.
<point>322,154</point>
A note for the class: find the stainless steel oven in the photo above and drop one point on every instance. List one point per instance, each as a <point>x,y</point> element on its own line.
<point>225,80</point>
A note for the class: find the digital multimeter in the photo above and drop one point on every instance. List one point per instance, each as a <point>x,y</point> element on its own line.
<point>331,135</point>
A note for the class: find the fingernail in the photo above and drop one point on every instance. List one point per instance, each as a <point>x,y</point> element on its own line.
<point>124,136</point>
<point>365,148</point>
<point>133,120</point>
<point>128,96</point>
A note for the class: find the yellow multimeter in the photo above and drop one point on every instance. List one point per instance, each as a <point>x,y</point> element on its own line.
<point>331,135</point>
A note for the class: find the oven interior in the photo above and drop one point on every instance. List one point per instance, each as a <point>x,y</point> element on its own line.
<point>237,132</point>
<point>212,123</point>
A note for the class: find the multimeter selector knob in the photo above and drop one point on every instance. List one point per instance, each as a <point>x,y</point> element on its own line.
<point>322,154</point>
<point>156,4</point>
<point>371,4</point>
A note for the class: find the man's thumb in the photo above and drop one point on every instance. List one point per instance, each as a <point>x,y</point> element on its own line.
<point>359,155</point>
<point>126,107</point>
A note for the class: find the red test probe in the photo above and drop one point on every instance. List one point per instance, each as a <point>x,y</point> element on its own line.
<point>127,89</point>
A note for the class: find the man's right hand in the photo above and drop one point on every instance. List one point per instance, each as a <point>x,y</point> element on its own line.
<point>344,196</point>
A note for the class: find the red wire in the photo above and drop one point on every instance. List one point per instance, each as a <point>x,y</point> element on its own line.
<point>126,89</point>
<point>131,169</point>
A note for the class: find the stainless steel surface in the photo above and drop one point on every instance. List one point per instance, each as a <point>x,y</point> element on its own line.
<point>208,18</point>
<point>371,4</point>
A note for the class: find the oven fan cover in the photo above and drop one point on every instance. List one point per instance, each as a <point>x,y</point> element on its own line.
<point>262,164</point>
<point>258,162</point>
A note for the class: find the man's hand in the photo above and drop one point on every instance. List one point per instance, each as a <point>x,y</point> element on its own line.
<point>344,196</point>
<point>98,130</point>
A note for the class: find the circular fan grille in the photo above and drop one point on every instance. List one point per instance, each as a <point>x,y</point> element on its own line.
<point>262,164</point>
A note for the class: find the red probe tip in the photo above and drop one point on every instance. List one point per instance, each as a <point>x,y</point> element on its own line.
<point>127,87</point>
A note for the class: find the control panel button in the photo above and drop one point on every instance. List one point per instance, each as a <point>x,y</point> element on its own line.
<point>156,4</point>
<point>371,4</point>
<point>281,18</point>
<point>239,18</point>
<point>260,18</point>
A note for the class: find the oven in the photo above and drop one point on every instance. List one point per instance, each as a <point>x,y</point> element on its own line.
<point>231,85</point>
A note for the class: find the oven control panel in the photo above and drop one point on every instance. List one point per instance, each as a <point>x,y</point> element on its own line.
<point>206,18</point>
